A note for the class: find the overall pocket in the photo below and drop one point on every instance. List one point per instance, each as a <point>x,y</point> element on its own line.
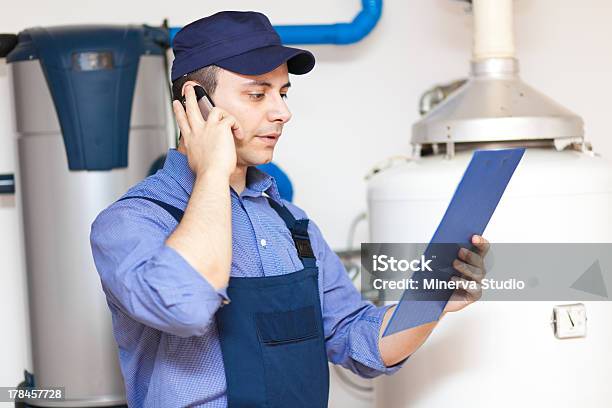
<point>294,358</point>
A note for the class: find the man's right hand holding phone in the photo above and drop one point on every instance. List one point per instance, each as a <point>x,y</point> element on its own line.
<point>204,235</point>
<point>209,144</point>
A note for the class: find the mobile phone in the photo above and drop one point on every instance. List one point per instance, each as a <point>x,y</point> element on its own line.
<point>204,102</point>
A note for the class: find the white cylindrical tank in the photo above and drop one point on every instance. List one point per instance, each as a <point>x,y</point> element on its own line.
<point>90,119</point>
<point>502,354</point>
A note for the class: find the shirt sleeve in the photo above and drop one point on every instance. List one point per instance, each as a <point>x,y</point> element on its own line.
<point>351,325</point>
<point>145,278</point>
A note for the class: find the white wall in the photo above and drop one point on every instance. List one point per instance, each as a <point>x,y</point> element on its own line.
<point>357,106</point>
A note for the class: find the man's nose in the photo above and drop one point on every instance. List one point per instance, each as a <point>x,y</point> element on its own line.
<point>280,112</point>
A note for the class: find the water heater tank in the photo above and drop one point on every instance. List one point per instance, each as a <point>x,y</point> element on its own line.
<point>502,354</point>
<point>90,107</point>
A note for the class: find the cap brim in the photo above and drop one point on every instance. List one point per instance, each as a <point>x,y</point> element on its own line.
<point>266,59</point>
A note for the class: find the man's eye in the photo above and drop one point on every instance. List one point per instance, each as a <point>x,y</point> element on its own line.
<point>256,96</point>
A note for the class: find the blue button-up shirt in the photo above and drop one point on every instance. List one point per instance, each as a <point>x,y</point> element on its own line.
<point>163,309</point>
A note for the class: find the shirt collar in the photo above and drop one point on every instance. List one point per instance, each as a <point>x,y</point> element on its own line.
<point>257,182</point>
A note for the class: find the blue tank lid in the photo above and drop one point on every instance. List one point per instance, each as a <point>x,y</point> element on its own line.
<point>91,73</point>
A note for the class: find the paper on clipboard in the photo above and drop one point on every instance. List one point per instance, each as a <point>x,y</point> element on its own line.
<point>468,213</point>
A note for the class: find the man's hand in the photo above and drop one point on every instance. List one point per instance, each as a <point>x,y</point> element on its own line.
<point>204,235</point>
<point>209,144</point>
<point>398,346</point>
<point>471,266</point>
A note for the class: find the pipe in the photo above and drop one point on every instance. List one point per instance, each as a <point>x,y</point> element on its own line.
<point>339,33</point>
<point>437,94</point>
<point>493,29</point>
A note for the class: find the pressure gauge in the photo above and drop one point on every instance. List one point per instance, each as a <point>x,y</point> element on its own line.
<point>569,321</point>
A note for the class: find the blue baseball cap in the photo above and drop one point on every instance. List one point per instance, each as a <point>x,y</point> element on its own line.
<point>240,41</point>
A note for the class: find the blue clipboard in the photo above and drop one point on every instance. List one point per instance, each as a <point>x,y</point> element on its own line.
<point>468,213</point>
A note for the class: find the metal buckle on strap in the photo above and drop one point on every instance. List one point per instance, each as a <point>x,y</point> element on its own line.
<point>303,246</point>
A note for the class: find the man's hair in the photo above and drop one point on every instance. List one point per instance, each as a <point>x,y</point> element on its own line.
<point>207,77</point>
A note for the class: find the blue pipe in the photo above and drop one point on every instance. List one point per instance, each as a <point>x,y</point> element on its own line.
<point>339,33</point>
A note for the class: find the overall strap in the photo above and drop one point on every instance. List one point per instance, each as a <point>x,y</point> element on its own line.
<point>298,228</point>
<point>175,212</point>
<point>299,233</point>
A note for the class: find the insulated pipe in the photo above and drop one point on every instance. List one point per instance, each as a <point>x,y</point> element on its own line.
<point>339,33</point>
<point>493,29</point>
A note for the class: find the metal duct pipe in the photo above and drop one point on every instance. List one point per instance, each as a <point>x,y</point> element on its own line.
<point>495,105</point>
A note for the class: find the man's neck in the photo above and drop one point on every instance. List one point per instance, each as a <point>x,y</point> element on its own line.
<point>237,179</point>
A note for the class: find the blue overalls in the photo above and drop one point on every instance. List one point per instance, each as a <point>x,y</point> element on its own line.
<point>271,333</point>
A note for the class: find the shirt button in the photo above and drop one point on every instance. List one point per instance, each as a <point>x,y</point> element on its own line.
<point>263,242</point>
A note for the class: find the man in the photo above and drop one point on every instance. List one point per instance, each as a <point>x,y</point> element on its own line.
<point>222,293</point>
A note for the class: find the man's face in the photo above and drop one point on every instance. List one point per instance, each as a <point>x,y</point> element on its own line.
<point>258,103</point>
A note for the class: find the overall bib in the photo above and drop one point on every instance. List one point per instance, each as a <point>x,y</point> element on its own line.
<point>271,332</point>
